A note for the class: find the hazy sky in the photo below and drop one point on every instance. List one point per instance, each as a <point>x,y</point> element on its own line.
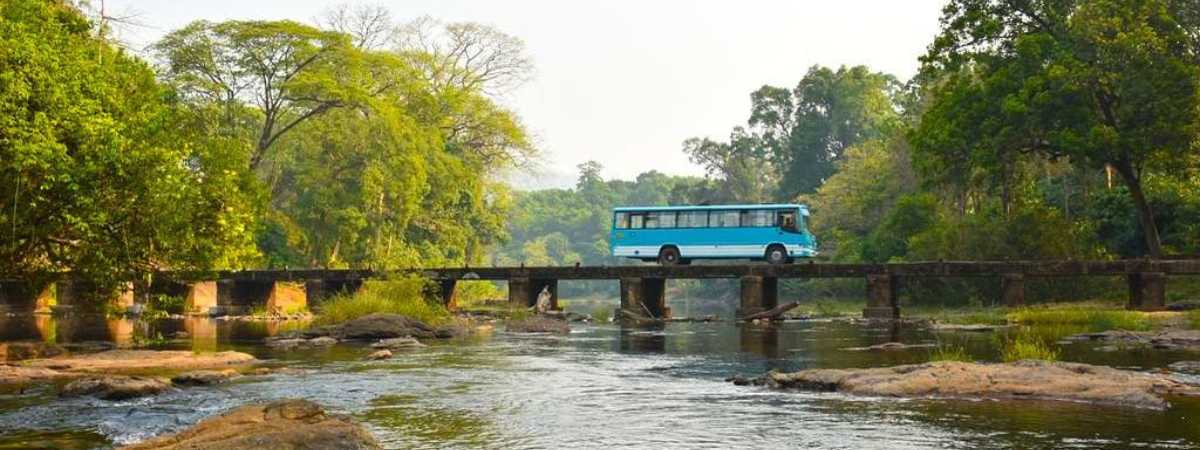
<point>625,82</point>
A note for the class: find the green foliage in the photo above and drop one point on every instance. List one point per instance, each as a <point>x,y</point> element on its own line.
<point>602,314</point>
<point>100,170</point>
<point>1094,319</point>
<point>1095,82</point>
<point>950,353</point>
<point>160,306</point>
<point>1193,319</point>
<point>1024,346</point>
<point>476,293</point>
<point>404,297</point>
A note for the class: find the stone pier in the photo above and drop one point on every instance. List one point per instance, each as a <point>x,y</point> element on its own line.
<point>22,297</point>
<point>318,291</point>
<point>82,297</point>
<point>1147,291</point>
<point>274,297</point>
<point>758,294</point>
<point>881,297</point>
<point>445,292</point>
<point>645,296</point>
<point>1012,289</point>
<point>523,292</point>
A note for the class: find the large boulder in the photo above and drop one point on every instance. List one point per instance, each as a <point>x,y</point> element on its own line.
<point>114,387</point>
<point>381,326</point>
<point>1029,379</point>
<point>538,324</point>
<point>281,425</point>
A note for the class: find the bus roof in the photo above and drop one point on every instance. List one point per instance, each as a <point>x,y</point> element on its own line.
<point>711,207</point>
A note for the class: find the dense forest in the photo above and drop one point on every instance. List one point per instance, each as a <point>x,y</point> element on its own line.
<point>1032,130</point>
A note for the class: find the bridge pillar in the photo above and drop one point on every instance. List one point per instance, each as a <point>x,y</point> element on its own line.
<point>201,298</point>
<point>523,292</point>
<point>1147,291</point>
<point>23,297</point>
<point>758,294</point>
<point>881,297</point>
<point>645,296</point>
<point>445,293</point>
<point>83,297</point>
<point>318,291</point>
<point>1012,287</point>
<point>287,298</point>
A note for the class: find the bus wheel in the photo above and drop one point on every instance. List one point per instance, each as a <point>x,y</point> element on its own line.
<point>776,254</point>
<point>668,256</point>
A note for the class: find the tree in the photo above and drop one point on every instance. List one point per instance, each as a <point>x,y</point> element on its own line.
<point>101,173</point>
<point>806,132</point>
<point>740,165</point>
<point>290,72</point>
<point>1101,82</point>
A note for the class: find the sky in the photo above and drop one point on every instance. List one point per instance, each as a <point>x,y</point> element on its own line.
<point>625,82</point>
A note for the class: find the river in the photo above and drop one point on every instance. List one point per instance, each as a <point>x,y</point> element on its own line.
<point>602,386</point>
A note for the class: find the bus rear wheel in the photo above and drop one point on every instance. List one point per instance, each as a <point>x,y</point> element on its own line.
<point>668,256</point>
<point>776,254</point>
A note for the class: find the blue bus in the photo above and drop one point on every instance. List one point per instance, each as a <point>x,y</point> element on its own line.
<point>776,233</point>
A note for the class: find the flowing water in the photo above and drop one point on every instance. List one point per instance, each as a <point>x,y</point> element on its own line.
<point>602,386</point>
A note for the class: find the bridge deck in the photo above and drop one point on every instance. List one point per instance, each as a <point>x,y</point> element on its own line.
<point>948,269</point>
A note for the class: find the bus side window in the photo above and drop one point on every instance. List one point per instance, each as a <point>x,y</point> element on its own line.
<point>651,220</point>
<point>622,221</point>
<point>635,221</point>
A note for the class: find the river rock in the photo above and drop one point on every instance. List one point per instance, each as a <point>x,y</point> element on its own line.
<point>398,343</point>
<point>285,424</point>
<point>971,327</point>
<point>1169,339</point>
<point>205,377</point>
<point>139,360</point>
<point>888,346</point>
<point>23,375</point>
<point>381,326</point>
<point>323,341</point>
<point>1030,379</point>
<point>20,351</point>
<point>538,324</point>
<point>114,387</point>
<point>381,354</point>
<point>1192,367</point>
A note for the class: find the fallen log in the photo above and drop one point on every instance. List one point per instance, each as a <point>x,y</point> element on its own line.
<point>773,313</point>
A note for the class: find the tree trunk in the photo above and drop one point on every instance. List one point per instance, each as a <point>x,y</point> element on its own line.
<point>1145,214</point>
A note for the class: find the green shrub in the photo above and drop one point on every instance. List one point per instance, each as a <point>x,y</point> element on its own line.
<point>602,314</point>
<point>1094,319</point>
<point>1027,347</point>
<point>402,297</point>
<point>950,353</point>
<point>1193,318</point>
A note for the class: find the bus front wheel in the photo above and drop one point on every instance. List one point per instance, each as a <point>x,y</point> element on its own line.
<point>776,254</point>
<point>668,256</point>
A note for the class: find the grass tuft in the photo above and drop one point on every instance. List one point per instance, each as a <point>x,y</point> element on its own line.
<point>402,297</point>
<point>1094,319</point>
<point>950,353</point>
<point>1027,347</point>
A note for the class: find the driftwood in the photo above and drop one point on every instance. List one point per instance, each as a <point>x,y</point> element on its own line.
<point>637,318</point>
<point>773,313</point>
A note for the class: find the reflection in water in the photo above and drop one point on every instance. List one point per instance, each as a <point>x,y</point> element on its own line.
<point>611,387</point>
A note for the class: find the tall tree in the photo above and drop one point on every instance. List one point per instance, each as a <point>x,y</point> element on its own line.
<point>808,131</point>
<point>290,72</point>
<point>100,173</point>
<point>1100,82</point>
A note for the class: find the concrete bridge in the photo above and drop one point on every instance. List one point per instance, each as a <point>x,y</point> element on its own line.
<point>642,287</point>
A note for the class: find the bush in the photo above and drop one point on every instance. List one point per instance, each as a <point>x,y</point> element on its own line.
<point>404,297</point>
